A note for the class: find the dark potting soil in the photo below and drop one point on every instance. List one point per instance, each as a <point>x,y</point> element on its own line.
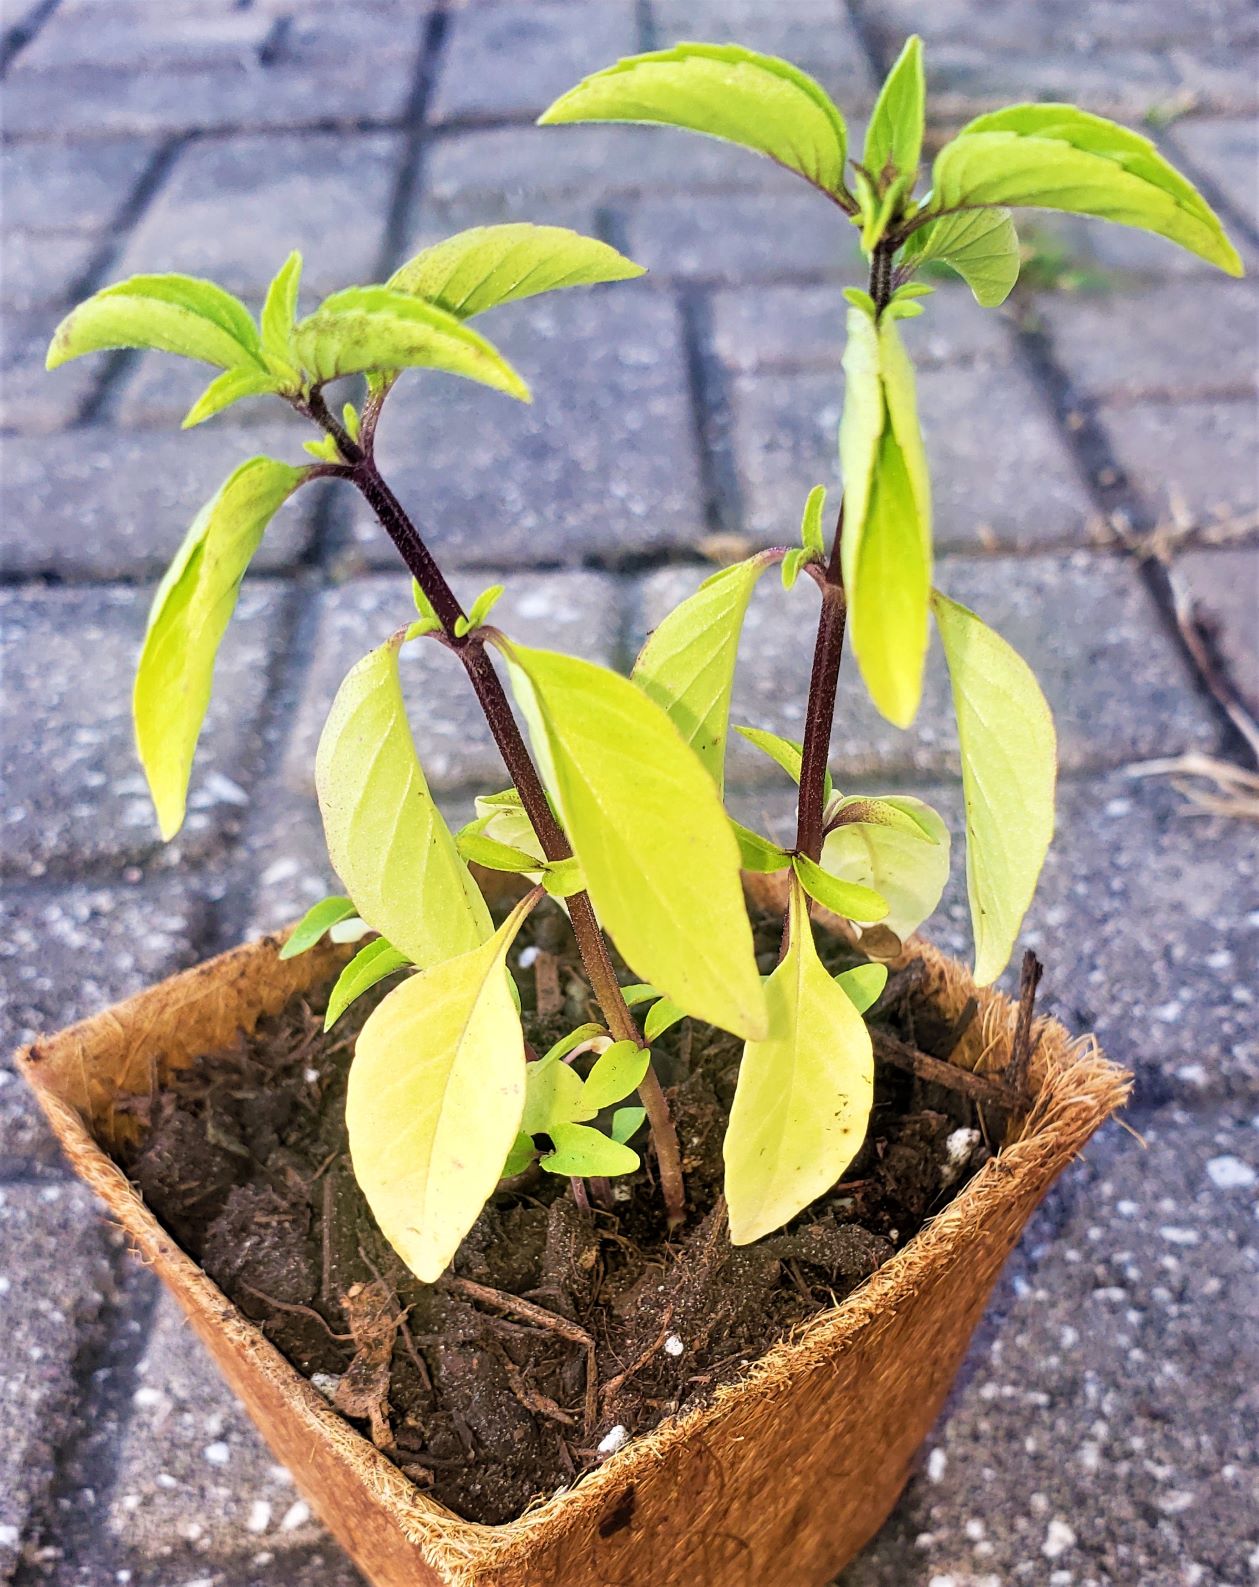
<point>485,1399</point>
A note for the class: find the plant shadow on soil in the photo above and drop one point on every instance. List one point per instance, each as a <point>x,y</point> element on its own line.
<point>488,1405</point>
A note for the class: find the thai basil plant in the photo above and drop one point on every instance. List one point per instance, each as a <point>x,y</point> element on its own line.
<point>614,806</point>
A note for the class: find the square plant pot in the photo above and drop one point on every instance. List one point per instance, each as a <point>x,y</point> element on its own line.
<point>781,1478</point>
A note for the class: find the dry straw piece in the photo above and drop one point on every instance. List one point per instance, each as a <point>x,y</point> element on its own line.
<point>781,1478</point>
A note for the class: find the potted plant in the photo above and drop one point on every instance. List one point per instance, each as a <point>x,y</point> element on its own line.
<point>512,1242</point>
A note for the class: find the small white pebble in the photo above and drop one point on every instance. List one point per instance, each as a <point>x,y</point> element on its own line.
<point>673,1346</point>
<point>259,1516</point>
<point>1230,1173</point>
<point>10,1537</point>
<point>1058,1539</point>
<point>937,1463</point>
<point>1178,1236</point>
<point>218,1454</point>
<point>326,1382</point>
<point>146,1398</point>
<point>528,957</point>
<point>616,1439</point>
<point>297,1514</point>
<point>961,1145</point>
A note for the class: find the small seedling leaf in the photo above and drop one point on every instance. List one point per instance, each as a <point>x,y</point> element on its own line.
<point>863,984</point>
<point>370,965</point>
<point>785,752</point>
<point>661,1016</point>
<point>980,244</point>
<point>894,136</point>
<point>901,851</point>
<point>169,313</point>
<point>757,853</point>
<point>583,1153</point>
<point>626,1123</point>
<point>849,900</point>
<point>279,312</point>
<point>617,1073</point>
<point>315,923</point>
<point>233,385</point>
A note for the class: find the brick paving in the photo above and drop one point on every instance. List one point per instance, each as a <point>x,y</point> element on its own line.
<point>1104,1431</point>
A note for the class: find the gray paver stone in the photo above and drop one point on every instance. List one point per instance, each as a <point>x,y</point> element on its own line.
<point>1189,461</point>
<point>1223,586</point>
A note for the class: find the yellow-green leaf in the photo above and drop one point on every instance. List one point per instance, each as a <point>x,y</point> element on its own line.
<point>246,380</point>
<point>170,313</point>
<point>687,664</point>
<point>369,966</point>
<point>434,1101</point>
<point>847,899</point>
<point>1049,156</point>
<point>279,311</point>
<point>647,824</point>
<point>581,1152</point>
<point>906,861</point>
<point>980,244</point>
<point>727,92</point>
<point>804,1093</point>
<point>1009,768</point>
<point>863,984</point>
<point>886,549</point>
<point>386,837</point>
<point>190,612</point>
<point>894,136</point>
<point>480,268</point>
<point>315,923</point>
<point>617,1071</point>
<point>376,328</point>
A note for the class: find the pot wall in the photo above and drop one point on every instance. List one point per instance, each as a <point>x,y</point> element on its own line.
<point>782,1478</point>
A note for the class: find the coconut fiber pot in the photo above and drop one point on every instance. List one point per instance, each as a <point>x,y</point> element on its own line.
<point>781,1479</point>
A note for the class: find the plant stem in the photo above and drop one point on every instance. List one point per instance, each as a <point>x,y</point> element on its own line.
<point>362,471</point>
<point>827,650</point>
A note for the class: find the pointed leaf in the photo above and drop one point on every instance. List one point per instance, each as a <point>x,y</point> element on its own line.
<point>520,1157</point>
<point>191,609</point>
<point>647,825</point>
<point>171,313</point>
<point>370,965</point>
<point>1058,157</point>
<point>575,1038</point>
<point>386,837</point>
<point>725,91</point>
<point>554,1094</point>
<point>980,244</point>
<point>662,1016</point>
<point>785,752</point>
<point>618,1071</point>
<point>907,863</point>
<point>478,849</point>
<point>638,992</point>
<point>846,899</point>
<point>811,537</point>
<point>487,265</point>
<point>757,853</point>
<point>863,984</point>
<point>860,425</point>
<point>894,136</point>
<point>247,380</point>
<point>687,664</point>
<point>313,925</point>
<point>804,1093</point>
<point>279,311</point>
<point>1009,766</point>
<point>582,1153</point>
<point>434,1100</point>
<point>626,1123</point>
<point>374,328</point>
<point>478,611</point>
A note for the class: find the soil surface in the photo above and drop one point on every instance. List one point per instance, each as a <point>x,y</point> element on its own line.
<point>556,1324</point>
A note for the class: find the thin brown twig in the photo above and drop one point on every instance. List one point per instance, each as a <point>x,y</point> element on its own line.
<point>980,1088</point>
<point>610,1389</point>
<point>1024,1043</point>
<point>541,1318</point>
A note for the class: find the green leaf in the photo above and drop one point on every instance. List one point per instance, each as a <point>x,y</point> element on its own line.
<point>478,269</point>
<point>647,824</point>
<point>728,92</point>
<point>371,964</point>
<point>617,1073</point>
<point>846,899</point>
<point>905,860</point>
<point>247,380</point>
<point>886,547</point>
<point>506,822</point>
<point>804,1093</point>
<point>811,537</point>
<point>190,612</point>
<point>520,1157</point>
<point>879,213</point>
<point>1009,761</point>
<point>638,992</point>
<point>170,313</point>
<point>563,878</point>
<point>477,849</point>
<point>863,984</point>
<point>980,244</point>
<point>626,1123</point>
<point>785,752</point>
<point>574,1039</point>
<point>315,923</point>
<point>478,611</point>
<point>554,1094</point>
<point>757,853</point>
<point>687,664</point>
<point>375,328</point>
<point>582,1153</point>
<point>894,136</point>
<point>794,560</point>
<point>279,312</point>
<point>662,1016</point>
<point>1059,157</point>
<point>386,837</point>
<point>434,1100</point>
